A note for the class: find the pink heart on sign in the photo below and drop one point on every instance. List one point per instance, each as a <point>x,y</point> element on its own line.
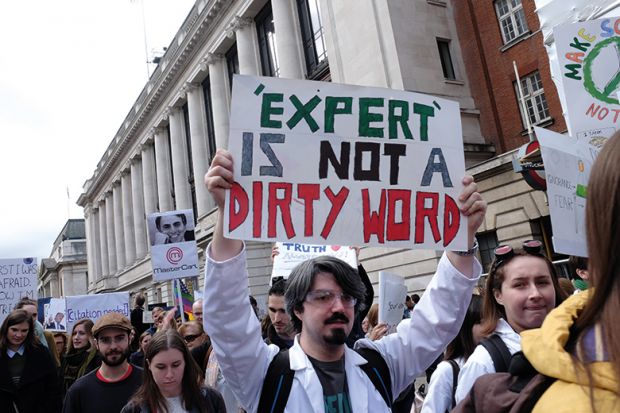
<point>335,247</point>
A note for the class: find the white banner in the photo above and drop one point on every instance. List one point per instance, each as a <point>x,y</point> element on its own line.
<point>94,306</point>
<point>18,278</point>
<point>290,254</point>
<point>323,163</point>
<point>173,247</point>
<point>588,57</point>
<point>568,162</point>
<point>392,292</point>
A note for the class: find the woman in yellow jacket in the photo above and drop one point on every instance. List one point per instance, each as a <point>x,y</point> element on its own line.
<point>579,342</point>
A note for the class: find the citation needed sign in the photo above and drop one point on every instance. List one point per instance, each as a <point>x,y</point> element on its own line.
<point>323,163</point>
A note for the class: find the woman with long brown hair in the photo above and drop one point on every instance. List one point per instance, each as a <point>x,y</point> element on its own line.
<point>81,356</point>
<point>579,342</point>
<point>172,380</point>
<point>28,382</point>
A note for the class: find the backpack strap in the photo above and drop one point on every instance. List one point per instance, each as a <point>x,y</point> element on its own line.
<point>499,352</point>
<point>277,384</point>
<point>378,372</point>
<point>455,380</point>
<point>279,380</point>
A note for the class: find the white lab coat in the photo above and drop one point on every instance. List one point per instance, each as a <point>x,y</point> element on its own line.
<point>480,362</point>
<point>244,357</point>
<point>439,395</point>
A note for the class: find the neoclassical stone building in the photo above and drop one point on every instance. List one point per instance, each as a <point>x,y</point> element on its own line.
<point>157,159</point>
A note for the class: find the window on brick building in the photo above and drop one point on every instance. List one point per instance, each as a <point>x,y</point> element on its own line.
<point>536,107</point>
<point>511,19</point>
<point>267,42</point>
<point>443,45</point>
<point>487,242</point>
<point>313,39</point>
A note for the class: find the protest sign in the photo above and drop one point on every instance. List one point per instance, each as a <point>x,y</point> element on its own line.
<point>95,305</point>
<point>322,163</point>
<point>568,161</point>
<point>290,254</point>
<point>589,65</point>
<point>173,247</point>
<point>392,292</point>
<point>18,278</point>
<point>54,314</point>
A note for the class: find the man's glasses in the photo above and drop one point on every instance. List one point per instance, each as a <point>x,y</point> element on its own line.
<point>505,253</point>
<point>191,337</point>
<point>328,298</point>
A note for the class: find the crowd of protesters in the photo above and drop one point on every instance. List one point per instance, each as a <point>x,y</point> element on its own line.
<point>321,347</point>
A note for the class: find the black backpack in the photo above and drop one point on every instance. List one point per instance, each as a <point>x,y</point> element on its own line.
<point>279,380</point>
<point>499,352</point>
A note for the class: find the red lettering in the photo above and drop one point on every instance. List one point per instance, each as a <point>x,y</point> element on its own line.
<point>337,201</point>
<point>592,110</point>
<point>257,213</point>
<point>374,222</point>
<point>616,113</point>
<point>399,231</point>
<point>284,204</point>
<point>429,213</point>
<point>309,193</point>
<point>238,206</point>
<point>576,57</point>
<point>616,26</point>
<point>603,113</point>
<point>451,220</point>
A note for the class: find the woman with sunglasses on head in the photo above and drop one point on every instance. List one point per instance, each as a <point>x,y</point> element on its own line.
<point>28,375</point>
<point>579,343</point>
<point>172,380</point>
<point>81,356</point>
<point>521,289</point>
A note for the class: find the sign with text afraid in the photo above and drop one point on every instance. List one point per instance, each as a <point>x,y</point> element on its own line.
<point>18,278</point>
<point>323,163</point>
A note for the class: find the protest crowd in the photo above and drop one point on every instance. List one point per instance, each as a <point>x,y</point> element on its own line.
<point>516,342</point>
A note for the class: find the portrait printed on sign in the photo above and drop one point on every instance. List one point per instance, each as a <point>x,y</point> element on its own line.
<point>54,312</point>
<point>173,246</point>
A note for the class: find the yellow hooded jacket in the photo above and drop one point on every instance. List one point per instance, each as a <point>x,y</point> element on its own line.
<point>544,348</point>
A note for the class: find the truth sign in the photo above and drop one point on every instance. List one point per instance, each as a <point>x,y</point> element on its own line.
<point>322,163</point>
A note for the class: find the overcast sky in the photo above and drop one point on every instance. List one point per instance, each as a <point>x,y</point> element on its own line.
<point>70,71</point>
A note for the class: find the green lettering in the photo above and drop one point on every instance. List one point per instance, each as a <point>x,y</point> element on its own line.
<point>578,45</point>
<point>332,109</point>
<point>304,111</point>
<point>402,118</point>
<point>425,112</point>
<point>366,117</point>
<point>267,110</point>
<point>574,71</point>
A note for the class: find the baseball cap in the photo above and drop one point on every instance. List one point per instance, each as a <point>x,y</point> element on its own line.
<point>111,320</point>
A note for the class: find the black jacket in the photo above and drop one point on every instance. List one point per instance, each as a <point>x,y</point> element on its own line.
<point>38,390</point>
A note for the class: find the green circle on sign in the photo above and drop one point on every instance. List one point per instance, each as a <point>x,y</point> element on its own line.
<point>588,82</point>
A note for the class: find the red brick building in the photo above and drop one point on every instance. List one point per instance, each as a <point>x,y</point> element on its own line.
<point>493,34</point>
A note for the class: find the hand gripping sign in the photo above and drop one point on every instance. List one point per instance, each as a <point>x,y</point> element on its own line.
<point>322,163</point>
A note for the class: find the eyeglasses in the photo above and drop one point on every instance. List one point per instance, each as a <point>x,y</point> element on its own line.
<point>328,298</point>
<point>191,337</point>
<point>505,253</point>
<point>108,340</point>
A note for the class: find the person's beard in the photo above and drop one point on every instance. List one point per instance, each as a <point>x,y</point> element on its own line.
<point>338,336</point>
<point>107,358</point>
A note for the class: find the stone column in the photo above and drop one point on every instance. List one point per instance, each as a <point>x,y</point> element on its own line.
<point>119,230</point>
<point>164,173</point>
<point>149,179</point>
<point>247,42</point>
<point>219,98</point>
<point>288,39</point>
<point>109,224</point>
<point>130,241</point>
<point>137,198</point>
<point>97,240</point>
<point>200,153</point>
<point>180,163</point>
<point>89,218</point>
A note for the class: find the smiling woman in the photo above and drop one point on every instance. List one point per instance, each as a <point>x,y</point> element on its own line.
<point>171,380</point>
<point>26,368</point>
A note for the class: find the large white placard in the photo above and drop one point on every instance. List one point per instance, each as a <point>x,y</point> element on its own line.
<point>322,163</point>
<point>173,247</point>
<point>392,292</point>
<point>568,162</point>
<point>291,253</point>
<point>94,306</point>
<point>588,58</point>
<point>18,278</point>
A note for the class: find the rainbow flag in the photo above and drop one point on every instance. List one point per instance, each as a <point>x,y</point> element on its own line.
<point>186,297</point>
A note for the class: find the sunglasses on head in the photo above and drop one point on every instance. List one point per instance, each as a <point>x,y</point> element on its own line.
<point>191,337</point>
<point>505,253</point>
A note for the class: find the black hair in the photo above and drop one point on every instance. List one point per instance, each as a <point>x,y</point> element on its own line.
<point>278,288</point>
<point>302,277</point>
<point>158,220</point>
<point>577,263</point>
